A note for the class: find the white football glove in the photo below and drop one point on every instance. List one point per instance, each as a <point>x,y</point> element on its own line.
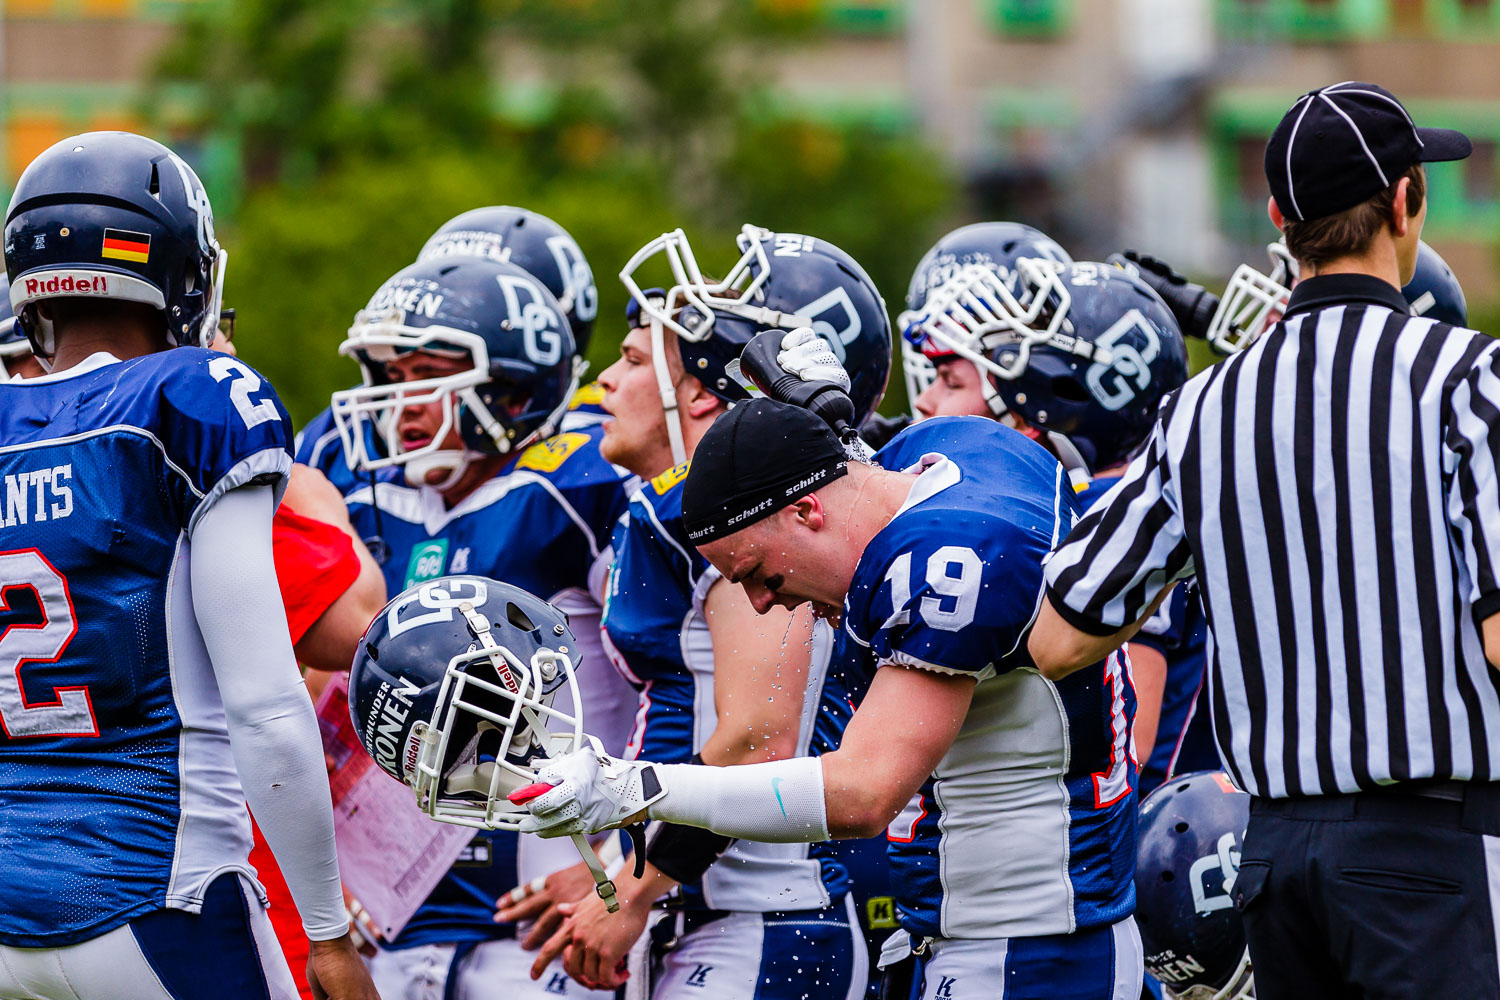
<point>806,355</point>
<point>589,792</point>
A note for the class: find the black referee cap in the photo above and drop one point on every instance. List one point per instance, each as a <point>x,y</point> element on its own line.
<point>1341,145</point>
<point>756,459</point>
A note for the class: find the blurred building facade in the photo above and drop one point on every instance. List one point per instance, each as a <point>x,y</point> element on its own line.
<point>1110,123</point>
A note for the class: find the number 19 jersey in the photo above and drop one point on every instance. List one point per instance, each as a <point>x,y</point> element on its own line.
<point>118,794</point>
<point>1027,825</point>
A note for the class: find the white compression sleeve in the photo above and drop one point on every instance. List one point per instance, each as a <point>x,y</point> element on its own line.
<point>272,729</point>
<point>778,802</point>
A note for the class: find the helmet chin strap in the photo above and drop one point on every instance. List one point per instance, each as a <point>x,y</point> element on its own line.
<point>991,395</point>
<point>668,392</point>
<point>456,462</point>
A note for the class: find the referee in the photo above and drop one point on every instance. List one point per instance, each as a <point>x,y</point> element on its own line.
<point>1334,488</point>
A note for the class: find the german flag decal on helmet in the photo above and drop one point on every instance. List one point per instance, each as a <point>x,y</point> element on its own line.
<point>122,244</point>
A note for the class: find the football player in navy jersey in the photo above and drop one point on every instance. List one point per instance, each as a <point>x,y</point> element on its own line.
<point>1008,799</point>
<point>151,689</point>
<point>468,366</point>
<point>718,683</point>
<point>518,236</point>
<point>1088,391</point>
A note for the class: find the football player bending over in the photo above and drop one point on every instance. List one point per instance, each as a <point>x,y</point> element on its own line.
<point>1007,798</point>
<point>718,683</point>
<point>150,688</point>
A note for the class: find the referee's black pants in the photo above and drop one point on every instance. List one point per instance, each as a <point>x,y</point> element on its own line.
<point>1377,895</point>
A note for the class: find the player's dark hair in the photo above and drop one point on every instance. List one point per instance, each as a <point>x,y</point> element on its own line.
<point>1316,241</point>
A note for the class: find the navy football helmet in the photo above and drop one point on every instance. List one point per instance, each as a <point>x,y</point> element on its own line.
<point>1188,841</point>
<point>781,281</point>
<point>1254,301</point>
<point>117,216</point>
<point>451,693</point>
<point>536,245</point>
<point>495,314</point>
<point>1434,291</point>
<point>1084,352</point>
<point>996,244</point>
<point>13,342</point>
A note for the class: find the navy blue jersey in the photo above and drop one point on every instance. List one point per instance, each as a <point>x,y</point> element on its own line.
<point>1184,734</point>
<point>1179,632</point>
<point>659,640</point>
<point>543,525</point>
<point>1027,826</point>
<point>118,793</point>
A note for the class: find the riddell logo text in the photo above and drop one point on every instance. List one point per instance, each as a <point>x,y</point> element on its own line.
<point>64,284</point>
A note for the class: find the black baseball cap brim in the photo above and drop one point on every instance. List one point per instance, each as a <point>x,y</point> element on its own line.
<point>1439,145</point>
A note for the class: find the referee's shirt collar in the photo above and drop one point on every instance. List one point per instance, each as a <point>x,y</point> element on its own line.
<point>1327,290</point>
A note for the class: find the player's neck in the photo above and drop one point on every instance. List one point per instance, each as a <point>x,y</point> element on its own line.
<point>880,494</point>
<point>478,472</point>
<point>85,338</point>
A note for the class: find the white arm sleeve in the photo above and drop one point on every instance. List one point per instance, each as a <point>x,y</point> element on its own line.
<point>777,802</point>
<point>272,729</point>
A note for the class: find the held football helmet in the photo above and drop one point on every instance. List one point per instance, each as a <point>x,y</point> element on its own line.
<point>451,692</point>
<point>494,314</point>
<point>536,245</point>
<point>117,216</point>
<point>13,342</point>
<point>1254,301</point>
<point>996,244</point>
<point>781,281</point>
<point>1189,838</point>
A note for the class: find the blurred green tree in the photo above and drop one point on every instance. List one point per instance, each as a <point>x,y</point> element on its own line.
<point>359,129</point>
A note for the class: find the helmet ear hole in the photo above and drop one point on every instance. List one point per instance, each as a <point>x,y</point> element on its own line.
<point>1069,389</point>
<point>189,278</point>
<point>517,617</point>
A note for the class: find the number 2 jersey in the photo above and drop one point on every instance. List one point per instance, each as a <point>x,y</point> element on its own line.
<point>1027,825</point>
<point>542,525</point>
<point>118,794</point>
<point>658,639</point>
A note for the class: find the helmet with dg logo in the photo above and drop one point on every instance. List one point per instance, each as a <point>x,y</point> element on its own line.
<point>780,281</point>
<point>533,243</point>
<point>521,371</point>
<point>1188,843</point>
<point>996,244</point>
<point>1083,352</point>
<point>451,693</point>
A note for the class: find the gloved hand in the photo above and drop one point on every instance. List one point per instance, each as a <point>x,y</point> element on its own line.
<point>587,791</point>
<point>1192,305</point>
<point>806,355</point>
<point>801,369</point>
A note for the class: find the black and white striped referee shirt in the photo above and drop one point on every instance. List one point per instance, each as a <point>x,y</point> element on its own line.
<point>1334,488</point>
